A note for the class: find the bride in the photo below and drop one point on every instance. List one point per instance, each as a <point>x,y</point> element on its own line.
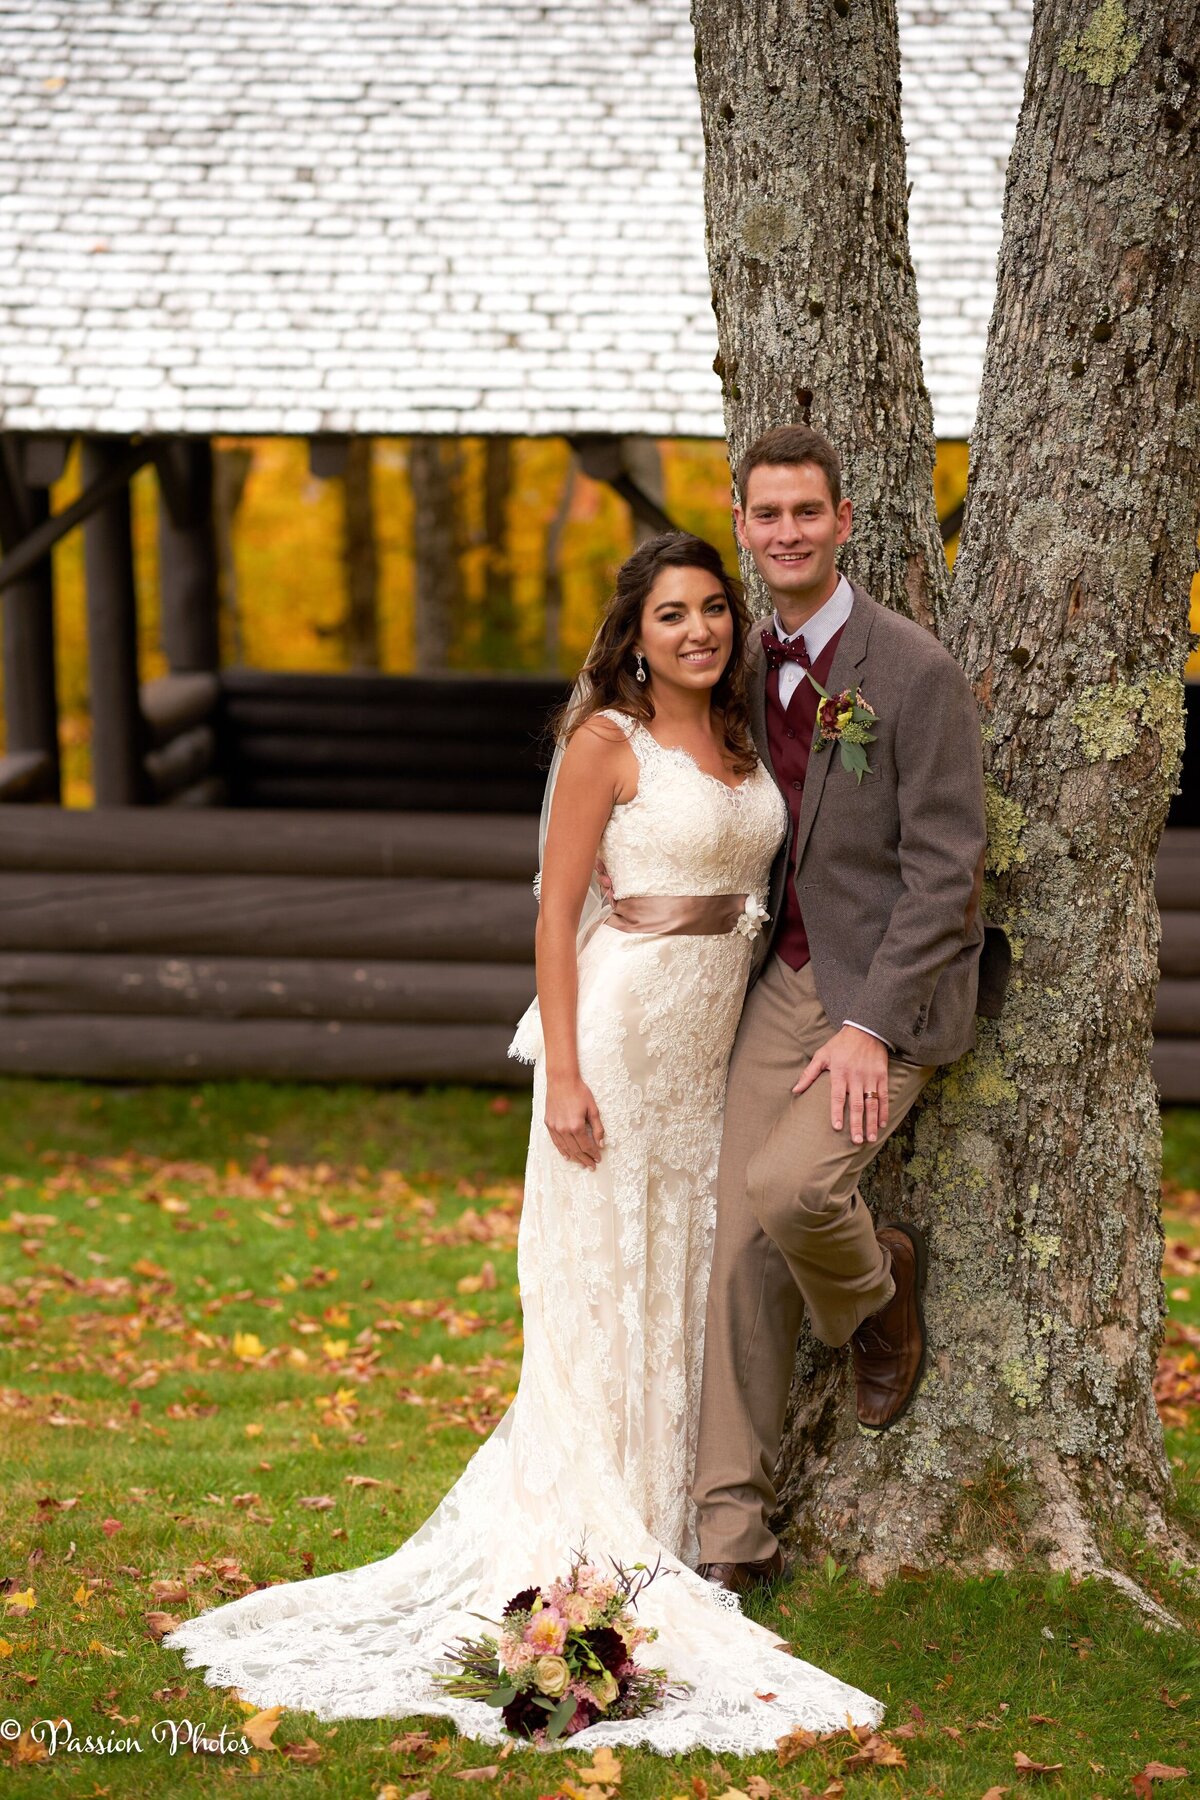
<point>638,1003</point>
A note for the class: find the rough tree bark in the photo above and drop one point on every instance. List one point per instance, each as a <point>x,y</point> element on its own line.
<point>434,467</point>
<point>1035,1162</point>
<point>360,558</point>
<point>1038,1162</point>
<point>813,286</point>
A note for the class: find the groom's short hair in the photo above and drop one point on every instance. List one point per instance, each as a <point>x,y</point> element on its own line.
<point>787,445</point>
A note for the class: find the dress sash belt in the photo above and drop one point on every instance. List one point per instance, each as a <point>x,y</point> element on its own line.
<point>677,915</point>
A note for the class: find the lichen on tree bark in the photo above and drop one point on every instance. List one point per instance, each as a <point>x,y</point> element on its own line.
<point>1034,1163</point>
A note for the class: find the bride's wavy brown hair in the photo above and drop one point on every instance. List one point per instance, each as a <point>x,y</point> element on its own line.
<point>612,667</point>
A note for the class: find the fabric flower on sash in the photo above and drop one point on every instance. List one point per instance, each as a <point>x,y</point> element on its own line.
<point>752,917</point>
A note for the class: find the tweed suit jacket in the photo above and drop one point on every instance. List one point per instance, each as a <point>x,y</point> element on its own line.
<point>888,870</point>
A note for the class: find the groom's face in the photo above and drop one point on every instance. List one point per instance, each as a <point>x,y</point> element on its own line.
<point>790,526</point>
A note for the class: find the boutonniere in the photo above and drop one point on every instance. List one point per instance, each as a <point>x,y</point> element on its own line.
<point>845,719</point>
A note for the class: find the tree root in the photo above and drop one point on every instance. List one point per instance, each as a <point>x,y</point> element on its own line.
<point>881,1532</point>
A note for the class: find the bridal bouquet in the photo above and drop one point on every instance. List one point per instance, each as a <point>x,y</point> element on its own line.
<point>564,1657</point>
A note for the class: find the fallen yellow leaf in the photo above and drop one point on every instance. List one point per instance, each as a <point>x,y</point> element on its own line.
<point>262,1727</point>
<point>246,1346</point>
<point>25,1601</point>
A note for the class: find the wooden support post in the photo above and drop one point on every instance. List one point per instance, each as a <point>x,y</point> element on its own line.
<point>187,557</point>
<point>611,460</point>
<point>117,773</point>
<point>30,692</point>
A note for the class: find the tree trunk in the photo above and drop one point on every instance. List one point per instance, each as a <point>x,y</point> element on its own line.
<point>498,645</point>
<point>552,584</point>
<point>360,558</point>
<point>1037,1158</point>
<point>434,467</point>
<point>231,472</point>
<point>813,285</point>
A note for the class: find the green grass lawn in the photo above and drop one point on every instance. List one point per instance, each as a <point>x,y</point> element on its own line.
<point>253,1332</point>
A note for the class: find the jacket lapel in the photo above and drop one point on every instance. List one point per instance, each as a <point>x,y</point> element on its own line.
<point>757,695</point>
<point>847,658</point>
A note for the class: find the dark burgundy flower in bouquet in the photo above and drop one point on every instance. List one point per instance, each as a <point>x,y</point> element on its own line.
<point>521,1602</point>
<point>523,1716</point>
<point>609,1648</point>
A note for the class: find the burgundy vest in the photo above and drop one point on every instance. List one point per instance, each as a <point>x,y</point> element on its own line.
<point>789,738</point>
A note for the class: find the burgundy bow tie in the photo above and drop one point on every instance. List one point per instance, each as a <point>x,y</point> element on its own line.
<point>778,653</point>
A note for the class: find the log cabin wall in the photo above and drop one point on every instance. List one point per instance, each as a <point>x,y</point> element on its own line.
<point>144,945</point>
<point>375,921</point>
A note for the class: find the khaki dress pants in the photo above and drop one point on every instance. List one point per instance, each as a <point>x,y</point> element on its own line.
<point>792,1232</point>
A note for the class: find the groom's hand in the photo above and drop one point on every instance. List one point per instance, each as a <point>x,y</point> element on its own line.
<point>858,1073</point>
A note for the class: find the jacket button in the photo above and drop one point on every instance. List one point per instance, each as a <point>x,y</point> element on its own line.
<point>791,734</point>
<point>797,785</point>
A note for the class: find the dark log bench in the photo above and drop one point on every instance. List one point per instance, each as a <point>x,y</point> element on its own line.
<point>1176,1060</point>
<point>435,743</point>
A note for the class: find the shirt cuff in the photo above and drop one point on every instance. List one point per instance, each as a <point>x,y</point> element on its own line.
<point>870,1033</point>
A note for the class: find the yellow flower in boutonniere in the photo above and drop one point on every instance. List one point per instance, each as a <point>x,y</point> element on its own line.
<point>845,719</point>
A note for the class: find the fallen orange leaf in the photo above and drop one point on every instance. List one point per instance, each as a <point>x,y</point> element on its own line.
<point>604,1770</point>
<point>170,1592</point>
<point>307,1752</point>
<point>795,1744</point>
<point>25,1750</point>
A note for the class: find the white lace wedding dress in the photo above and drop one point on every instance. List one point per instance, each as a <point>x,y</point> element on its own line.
<point>613,1268</point>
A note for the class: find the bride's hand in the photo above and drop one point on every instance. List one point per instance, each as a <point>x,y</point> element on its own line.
<point>573,1121</point>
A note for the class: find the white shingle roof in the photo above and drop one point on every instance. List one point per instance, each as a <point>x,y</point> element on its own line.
<point>393,216</point>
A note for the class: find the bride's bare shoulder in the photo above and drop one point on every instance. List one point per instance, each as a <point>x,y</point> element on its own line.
<point>600,755</point>
<point>608,728</point>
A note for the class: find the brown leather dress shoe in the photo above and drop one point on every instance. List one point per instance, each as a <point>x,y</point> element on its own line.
<point>740,1577</point>
<point>888,1349</point>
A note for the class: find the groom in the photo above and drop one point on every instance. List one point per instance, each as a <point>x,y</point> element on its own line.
<point>869,980</point>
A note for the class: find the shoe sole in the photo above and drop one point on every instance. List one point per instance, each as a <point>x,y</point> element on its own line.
<point>916,1238</point>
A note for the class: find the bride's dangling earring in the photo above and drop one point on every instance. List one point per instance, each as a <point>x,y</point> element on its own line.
<point>641,666</point>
